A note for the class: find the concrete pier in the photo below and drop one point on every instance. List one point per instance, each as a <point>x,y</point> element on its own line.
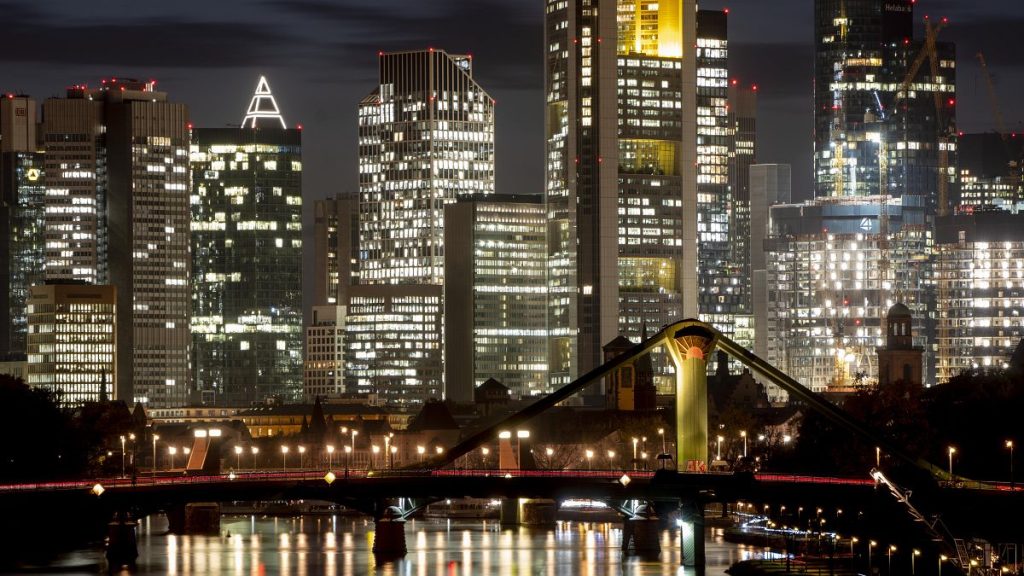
<point>389,534</point>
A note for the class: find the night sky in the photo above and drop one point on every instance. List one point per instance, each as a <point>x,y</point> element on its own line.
<point>320,59</point>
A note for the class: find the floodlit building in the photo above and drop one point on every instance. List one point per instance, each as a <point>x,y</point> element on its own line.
<point>22,194</point>
<point>980,276</point>
<point>495,295</point>
<point>832,274</point>
<point>72,341</point>
<point>247,325</point>
<point>426,138</point>
<point>620,89</point>
<point>117,212</point>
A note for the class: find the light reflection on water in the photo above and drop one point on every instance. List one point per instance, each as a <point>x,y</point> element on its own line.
<point>341,546</point>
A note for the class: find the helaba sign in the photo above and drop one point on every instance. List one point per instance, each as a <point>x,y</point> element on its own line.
<point>894,7</point>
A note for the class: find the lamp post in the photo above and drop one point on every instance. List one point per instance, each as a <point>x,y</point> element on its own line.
<point>421,450</point>
<point>892,548</point>
<point>284,457</point>
<point>643,456</point>
<point>354,434</point>
<point>254,451</point>
<point>374,450</point>
<point>718,454</point>
<point>871,545</point>
<point>348,456</point>
<point>743,434</point>
<point>664,448</point>
<point>172,450</point>
<point>302,457</point>
<point>131,461</point>
<point>238,457</point>
<point>942,558</point>
<point>157,437</point>
<point>590,456</point>
<point>520,434</point>
<point>330,456</point>
<point>913,561</point>
<point>485,451</point>
<point>611,459</point>
<point>394,450</point>
<point>1009,446</point>
<point>122,455</point>
<point>952,451</point>
<point>853,540</point>
<point>635,442</point>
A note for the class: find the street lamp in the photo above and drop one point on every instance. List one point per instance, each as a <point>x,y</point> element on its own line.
<point>284,457</point>
<point>485,451</point>
<point>635,442</point>
<point>661,432</point>
<point>718,454</point>
<point>330,456</point>
<point>438,450</point>
<point>853,540</point>
<point>643,456</point>
<point>394,450</point>
<point>942,558</point>
<point>611,458</point>
<point>374,450</point>
<point>871,545</point>
<point>254,451</point>
<point>590,456</point>
<point>913,566</point>
<point>892,548</point>
<point>1009,445</point>
<point>743,434</point>
<point>421,451</point>
<point>354,434</point>
<point>157,437</point>
<point>238,457</point>
<point>302,456</point>
<point>122,455</point>
<point>520,434</point>
<point>348,457</point>
<point>172,450</point>
<point>952,451</point>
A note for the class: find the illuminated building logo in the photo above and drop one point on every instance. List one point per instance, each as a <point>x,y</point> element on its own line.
<point>262,106</point>
<point>865,224</point>
<point>33,174</point>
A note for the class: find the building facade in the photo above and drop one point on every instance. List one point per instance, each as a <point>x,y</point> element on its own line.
<point>72,341</point>
<point>335,248</point>
<point>117,212</point>
<point>426,138</point>
<point>247,321</point>
<point>325,353</point>
<point>620,187</point>
<point>22,212</point>
<point>770,184</point>
<point>831,275</point>
<point>495,296</point>
<point>980,276</point>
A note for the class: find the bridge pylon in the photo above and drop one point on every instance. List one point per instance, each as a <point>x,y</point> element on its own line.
<point>689,347</point>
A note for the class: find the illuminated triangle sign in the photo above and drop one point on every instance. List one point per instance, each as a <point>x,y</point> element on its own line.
<point>262,107</point>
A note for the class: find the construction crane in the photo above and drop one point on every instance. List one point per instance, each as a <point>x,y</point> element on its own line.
<point>997,112</point>
<point>929,52</point>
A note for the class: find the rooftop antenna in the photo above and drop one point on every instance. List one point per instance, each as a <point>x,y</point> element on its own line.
<point>262,106</point>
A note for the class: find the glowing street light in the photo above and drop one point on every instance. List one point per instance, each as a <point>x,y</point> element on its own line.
<point>952,450</point>
<point>1009,446</point>
<point>611,459</point>
<point>743,434</point>
<point>284,457</point>
<point>661,432</point>
<point>438,450</point>
<point>590,456</point>
<point>374,450</point>
<point>302,456</point>
<point>718,455</point>
<point>238,457</point>
<point>635,442</point>
<point>485,451</point>
<point>892,548</point>
<point>172,450</point>
<point>157,437</point>
<point>330,456</point>
<point>942,558</point>
<point>122,455</point>
<point>354,434</point>
<point>913,567</point>
<point>871,545</point>
<point>394,450</point>
<point>254,451</point>
<point>348,457</point>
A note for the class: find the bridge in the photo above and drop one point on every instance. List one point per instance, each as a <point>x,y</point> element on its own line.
<point>391,496</point>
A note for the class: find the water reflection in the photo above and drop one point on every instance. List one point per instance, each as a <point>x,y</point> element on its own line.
<point>340,546</point>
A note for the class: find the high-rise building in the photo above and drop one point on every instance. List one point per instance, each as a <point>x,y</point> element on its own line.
<point>426,138</point>
<point>620,186</point>
<point>770,184</point>
<point>742,154</point>
<point>721,284</point>
<point>117,212</point>
<point>991,167</point>
<point>870,136</point>
<point>72,341</point>
<point>495,295</point>
<point>325,353</point>
<point>980,276</point>
<point>247,324</point>
<point>335,248</point>
<point>832,273</point>
<point>22,192</point>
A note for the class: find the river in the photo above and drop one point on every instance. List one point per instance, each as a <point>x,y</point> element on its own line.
<point>340,546</point>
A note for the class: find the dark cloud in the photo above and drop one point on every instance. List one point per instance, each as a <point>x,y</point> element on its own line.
<point>505,39</point>
<point>33,37</point>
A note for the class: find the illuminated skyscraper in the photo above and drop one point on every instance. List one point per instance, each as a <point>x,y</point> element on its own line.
<point>72,341</point>
<point>22,192</point>
<point>495,295</point>
<point>426,138</point>
<point>742,154</point>
<point>117,212</point>
<point>620,186</point>
<point>247,323</point>
<point>335,248</point>
<point>865,50</point>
